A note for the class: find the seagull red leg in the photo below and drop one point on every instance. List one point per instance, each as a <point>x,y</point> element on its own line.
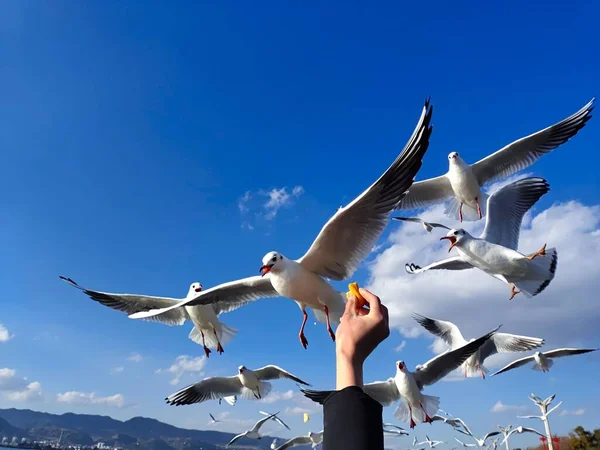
<point>206,349</point>
<point>513,291</point>
<point>540,252</point>
<point>482,372</point>
<point>460,216</point>
<point>219,346</point>
<point>331,333</point>
<point>412,422</point>
<point>427,418</point>
<point>478,208</point>
<point>303,339</point>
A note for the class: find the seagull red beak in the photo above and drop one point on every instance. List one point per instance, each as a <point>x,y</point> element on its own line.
<point>400,366</point>
<point>452,240</point>
<point>265,269</point>
<point>198,289</point>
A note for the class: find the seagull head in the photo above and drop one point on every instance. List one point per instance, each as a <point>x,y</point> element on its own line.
<point>272,261</point>
<point>455,237</point>
<point>242,369</point>
<point>195,288</point>
<point>401,366</point>
<point>454,158</point>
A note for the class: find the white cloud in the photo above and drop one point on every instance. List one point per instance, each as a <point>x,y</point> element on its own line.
<point>400,346</point>
<point>575,412</point>
<point>277,198</point>
<point>277,396</point>
<point>459,296</point>
<point>135,357</point>
<point>500,407</point>
<point>183,364</point>
<point>116,370</point>
<point>18,389</point>
<point>5,336</point>
<point>90,398</point>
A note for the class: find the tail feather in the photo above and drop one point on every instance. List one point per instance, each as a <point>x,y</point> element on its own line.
<point>225,334</point>
<point>538,368</point>
<point>469,212</point>
<point>431,405</point>
<point>471,371</point>
<point>336,307</point>
<point>543,270</point>
<point>402,413</point>
<point>263,390</point>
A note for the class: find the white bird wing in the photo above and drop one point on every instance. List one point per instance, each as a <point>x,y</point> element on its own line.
<point>299,440</point>
<point>212,417</point>
<point>427,225</point>
<point>385,392</point>
<point>275,418</point>
<point>513,365</point>
<point>272,372</point>
<point>226,296</point>
<point>447,331</point>
<point>134,303</point>
<point>452,263</point>
<point>318,437</point>
<point>349,236</point>
<point>260,422</point>
<point>530,430</point>
<point>463,444</point>
<point>438,367</point>
<point>211,388</point>
<point>508,343</point>
<point>490,434</point>
<point>560,352</point>
<point>235,438</point>
<point>506,208</point>
<point>522,153</point>
<point>427,193</point>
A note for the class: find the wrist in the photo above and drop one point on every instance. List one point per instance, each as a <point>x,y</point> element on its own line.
<point>349,372</point>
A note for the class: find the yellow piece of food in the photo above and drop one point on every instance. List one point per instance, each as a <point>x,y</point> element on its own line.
<point>353,287</point>
<point>306,418</point>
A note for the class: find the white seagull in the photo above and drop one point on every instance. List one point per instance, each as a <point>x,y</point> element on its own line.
<point>213,420</point>
<point>519,430</point>
<point>454,422</point>
<point>395,430</point>
<point>463,182</point>
<point>208,330</point>
<point>495,250</point>
<point>431,443</point>
<point>498,343</point>
<point>343,243</point>
<point>230,400</point>
<point>249,384</point>
<point>253,433</point>
<point>407,386</point>
<point>275,418</point>
<point>464,444</point>
<point>312,439</point>
<point>480,442</point>
<point>543,360</point>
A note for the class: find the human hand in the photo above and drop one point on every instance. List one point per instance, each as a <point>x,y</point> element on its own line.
<point>359,333</point>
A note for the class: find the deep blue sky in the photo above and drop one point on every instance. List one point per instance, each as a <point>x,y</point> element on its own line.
<point>129,130</point>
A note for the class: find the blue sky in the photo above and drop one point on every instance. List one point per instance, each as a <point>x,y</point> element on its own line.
<point>130,131</point>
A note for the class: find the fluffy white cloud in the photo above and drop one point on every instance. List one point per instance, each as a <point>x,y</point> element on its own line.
<point>118,369</point>
<point>135,358</point>
<point>5,336</point>
<point>277,396</point>
<point>277,198</point>
<point>184,364</point>
<point>574,412</point>
<point>400,346</point>
<point>17,388</point>
<point>500,407</point>
<point>90,398</point>
<point>475,301</point>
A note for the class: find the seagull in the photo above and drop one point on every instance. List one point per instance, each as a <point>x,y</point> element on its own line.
<point>230,400</point>
<point>453,422</point>
<point>312,438</point>
<point>213,420</point>
<point>432,444</point>
<point>463,182</point>
<point>343,243</point>
<point>249,384</point>
<point>480,442</point>
<point>407,386</point>
<point>252,433</point>
<point>273,445</point>
<point>395,430</point>
<point>208,330</point>
<point>495,251</point>
<point>543,360</point>
<point>463,444</point>
<point>519,430</point>
<point>275,418</point>
<point>498,343</point>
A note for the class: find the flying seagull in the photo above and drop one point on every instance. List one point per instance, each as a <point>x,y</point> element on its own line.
<point>498,343</point>
<point>249,384</point>
<point>343,243</point>
<point>431,443</point>
<point>543,360</point>
<point>275,418</point>
<point>407,386</point>
<point>253,433</point>
<point>463,182</point>
<point>312,439</point>
<point>208,330</point>
<point>213,420</point>
<point>480,442</point>
<point>395,430</point>
<point>520,430</point>
<point>495,251</point>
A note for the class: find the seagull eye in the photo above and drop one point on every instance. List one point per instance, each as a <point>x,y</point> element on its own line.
<point>274,258</point>
<point>456,233</point>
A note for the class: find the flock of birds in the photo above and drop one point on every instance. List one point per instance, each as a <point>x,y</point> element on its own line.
<point>346,240</point>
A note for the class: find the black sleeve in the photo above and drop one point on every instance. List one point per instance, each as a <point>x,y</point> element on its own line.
<point>352,421</point>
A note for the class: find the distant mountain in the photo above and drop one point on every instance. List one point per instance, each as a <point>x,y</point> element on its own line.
<point>138,433</point>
